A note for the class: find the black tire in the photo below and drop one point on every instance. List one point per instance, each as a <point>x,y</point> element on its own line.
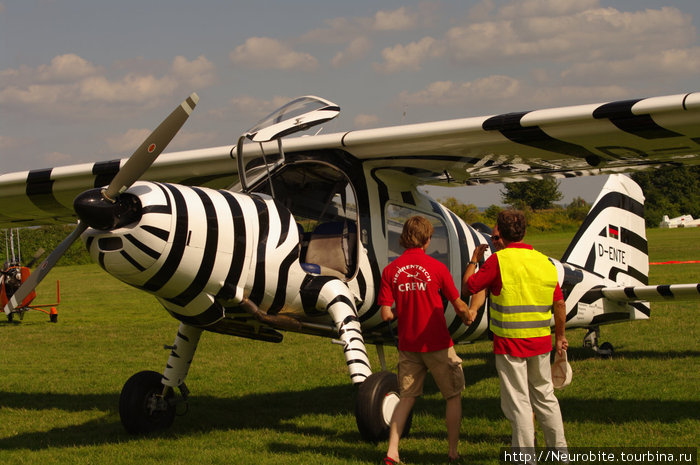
<point>376,399</point>
<point>134,411</point>
<point>606,350</point>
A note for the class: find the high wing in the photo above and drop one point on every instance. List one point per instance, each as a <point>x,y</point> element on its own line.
<point>45,196</point>
<point>560,142</point>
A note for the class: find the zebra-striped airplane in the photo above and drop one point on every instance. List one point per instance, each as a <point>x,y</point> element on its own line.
<point>275,235</point>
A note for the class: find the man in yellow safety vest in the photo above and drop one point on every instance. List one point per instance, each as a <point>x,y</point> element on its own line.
<point>524,289</point>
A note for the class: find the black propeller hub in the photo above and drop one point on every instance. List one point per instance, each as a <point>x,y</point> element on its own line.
<point>95,210</point>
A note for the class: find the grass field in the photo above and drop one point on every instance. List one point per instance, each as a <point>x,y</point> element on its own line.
<point>255,402</point>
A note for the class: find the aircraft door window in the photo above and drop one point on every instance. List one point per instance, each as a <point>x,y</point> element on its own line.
<point>397,215</point>
<point>323,202</point>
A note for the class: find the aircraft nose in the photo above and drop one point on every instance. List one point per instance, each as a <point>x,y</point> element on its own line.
<point>129,236</point>
<point>99,213</point>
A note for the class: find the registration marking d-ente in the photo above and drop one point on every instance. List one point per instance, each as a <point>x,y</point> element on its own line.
<point>613,253</point>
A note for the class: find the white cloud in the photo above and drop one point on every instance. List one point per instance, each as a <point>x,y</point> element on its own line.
<point>553,32</point>
<point>186,140</point>
<point>556,96</point>
<point>72,87</point>
<point>62,69</point>
<point>127,142</point>
<point>131,88</point>
<point>411,56</point>
<point>66,68</point>
<point>505,93</point>
<point>449,93</point>
<point>356,50</point>
<point>34,94</point>
<point>366,121</point>
<point>338,31</point>
<point>57,158</point>
<point>268,53</point>
<point>344,30</point>
<point>197,73</point>
<point>672,62</point>
<point>123,145</point>
<point>255,109</point>
<point>556,8</point>
<point>573,32</point>
<point>397,20</point>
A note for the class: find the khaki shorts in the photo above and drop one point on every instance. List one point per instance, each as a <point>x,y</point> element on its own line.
<point>444,365</point>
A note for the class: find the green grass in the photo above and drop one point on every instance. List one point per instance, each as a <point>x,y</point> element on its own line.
<point>255,402</point>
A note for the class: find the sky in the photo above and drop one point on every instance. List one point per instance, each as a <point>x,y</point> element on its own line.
<point>87,80</point>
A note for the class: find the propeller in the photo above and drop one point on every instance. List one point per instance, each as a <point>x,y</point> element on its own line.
<point>106,209</point>
<point>39,252</point>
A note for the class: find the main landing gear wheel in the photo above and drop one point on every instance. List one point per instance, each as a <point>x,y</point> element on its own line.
<point>590,341</point>
<point>377,398</point>
<point>142,407</point>
<point>606,350</point>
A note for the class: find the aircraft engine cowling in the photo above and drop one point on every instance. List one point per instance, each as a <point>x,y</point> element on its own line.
<point>191,245</point>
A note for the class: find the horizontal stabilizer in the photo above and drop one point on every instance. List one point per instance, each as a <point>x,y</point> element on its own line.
<point>648,293</point>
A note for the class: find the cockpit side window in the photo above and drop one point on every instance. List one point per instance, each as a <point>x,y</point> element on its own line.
<point>396,216</point>
<point>323,202</point>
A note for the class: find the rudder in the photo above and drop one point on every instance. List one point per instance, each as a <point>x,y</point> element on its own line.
<point>612,242</point>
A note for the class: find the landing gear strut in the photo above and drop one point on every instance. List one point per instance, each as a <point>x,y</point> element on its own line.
<point>590,341</point>
<point>148,402</point>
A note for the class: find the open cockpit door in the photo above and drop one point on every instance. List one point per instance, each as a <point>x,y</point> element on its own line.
<point>324,204</point>
<point>298,115</point>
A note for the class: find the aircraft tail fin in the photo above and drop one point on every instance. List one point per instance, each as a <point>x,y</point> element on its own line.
<point>611,242</point>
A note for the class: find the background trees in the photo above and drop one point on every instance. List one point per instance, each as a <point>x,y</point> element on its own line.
<point>672,191</point>
<point>537,195</point>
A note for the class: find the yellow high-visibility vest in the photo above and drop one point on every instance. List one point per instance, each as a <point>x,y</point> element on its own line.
<point>524,307</point>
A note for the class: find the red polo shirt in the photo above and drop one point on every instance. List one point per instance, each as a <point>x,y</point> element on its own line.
<point>414,281</point>
<point>489,276</point>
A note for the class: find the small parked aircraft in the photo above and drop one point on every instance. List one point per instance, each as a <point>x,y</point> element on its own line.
<point>13,274</point>
<point>683,221</point>
<point>278,234</point>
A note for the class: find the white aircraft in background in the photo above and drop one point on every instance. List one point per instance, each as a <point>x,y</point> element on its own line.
<point>684,221</point>
<point>275,235</point>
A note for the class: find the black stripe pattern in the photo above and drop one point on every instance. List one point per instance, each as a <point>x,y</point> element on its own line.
<point>201,251</point>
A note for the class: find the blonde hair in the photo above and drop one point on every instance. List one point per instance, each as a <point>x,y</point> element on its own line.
<point>416,232</point>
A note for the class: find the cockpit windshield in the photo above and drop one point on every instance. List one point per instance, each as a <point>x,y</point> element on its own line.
<point>296,110</point>
<point>298,115</point>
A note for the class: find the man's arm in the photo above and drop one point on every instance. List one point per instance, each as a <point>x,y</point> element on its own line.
<point>559,326</point>
<point>387,313</point>
<point>466,314</point>
<point>477,256</point>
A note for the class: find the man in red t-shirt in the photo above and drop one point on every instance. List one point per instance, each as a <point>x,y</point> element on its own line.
<point>414,282</point>
<point>524,288</point>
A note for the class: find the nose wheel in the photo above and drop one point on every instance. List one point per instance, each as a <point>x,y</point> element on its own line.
<point>145,404</point>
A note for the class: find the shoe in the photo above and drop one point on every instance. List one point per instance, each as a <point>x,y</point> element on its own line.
<point>454,460</point>
<point>389,461</point>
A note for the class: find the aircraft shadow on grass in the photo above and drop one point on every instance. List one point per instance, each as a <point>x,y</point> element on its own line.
<point>276,411</point>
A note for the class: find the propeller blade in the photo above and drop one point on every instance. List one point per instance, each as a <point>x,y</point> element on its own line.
<point>43,269</point>
<point>149,150</point>
<point>40,251</point>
